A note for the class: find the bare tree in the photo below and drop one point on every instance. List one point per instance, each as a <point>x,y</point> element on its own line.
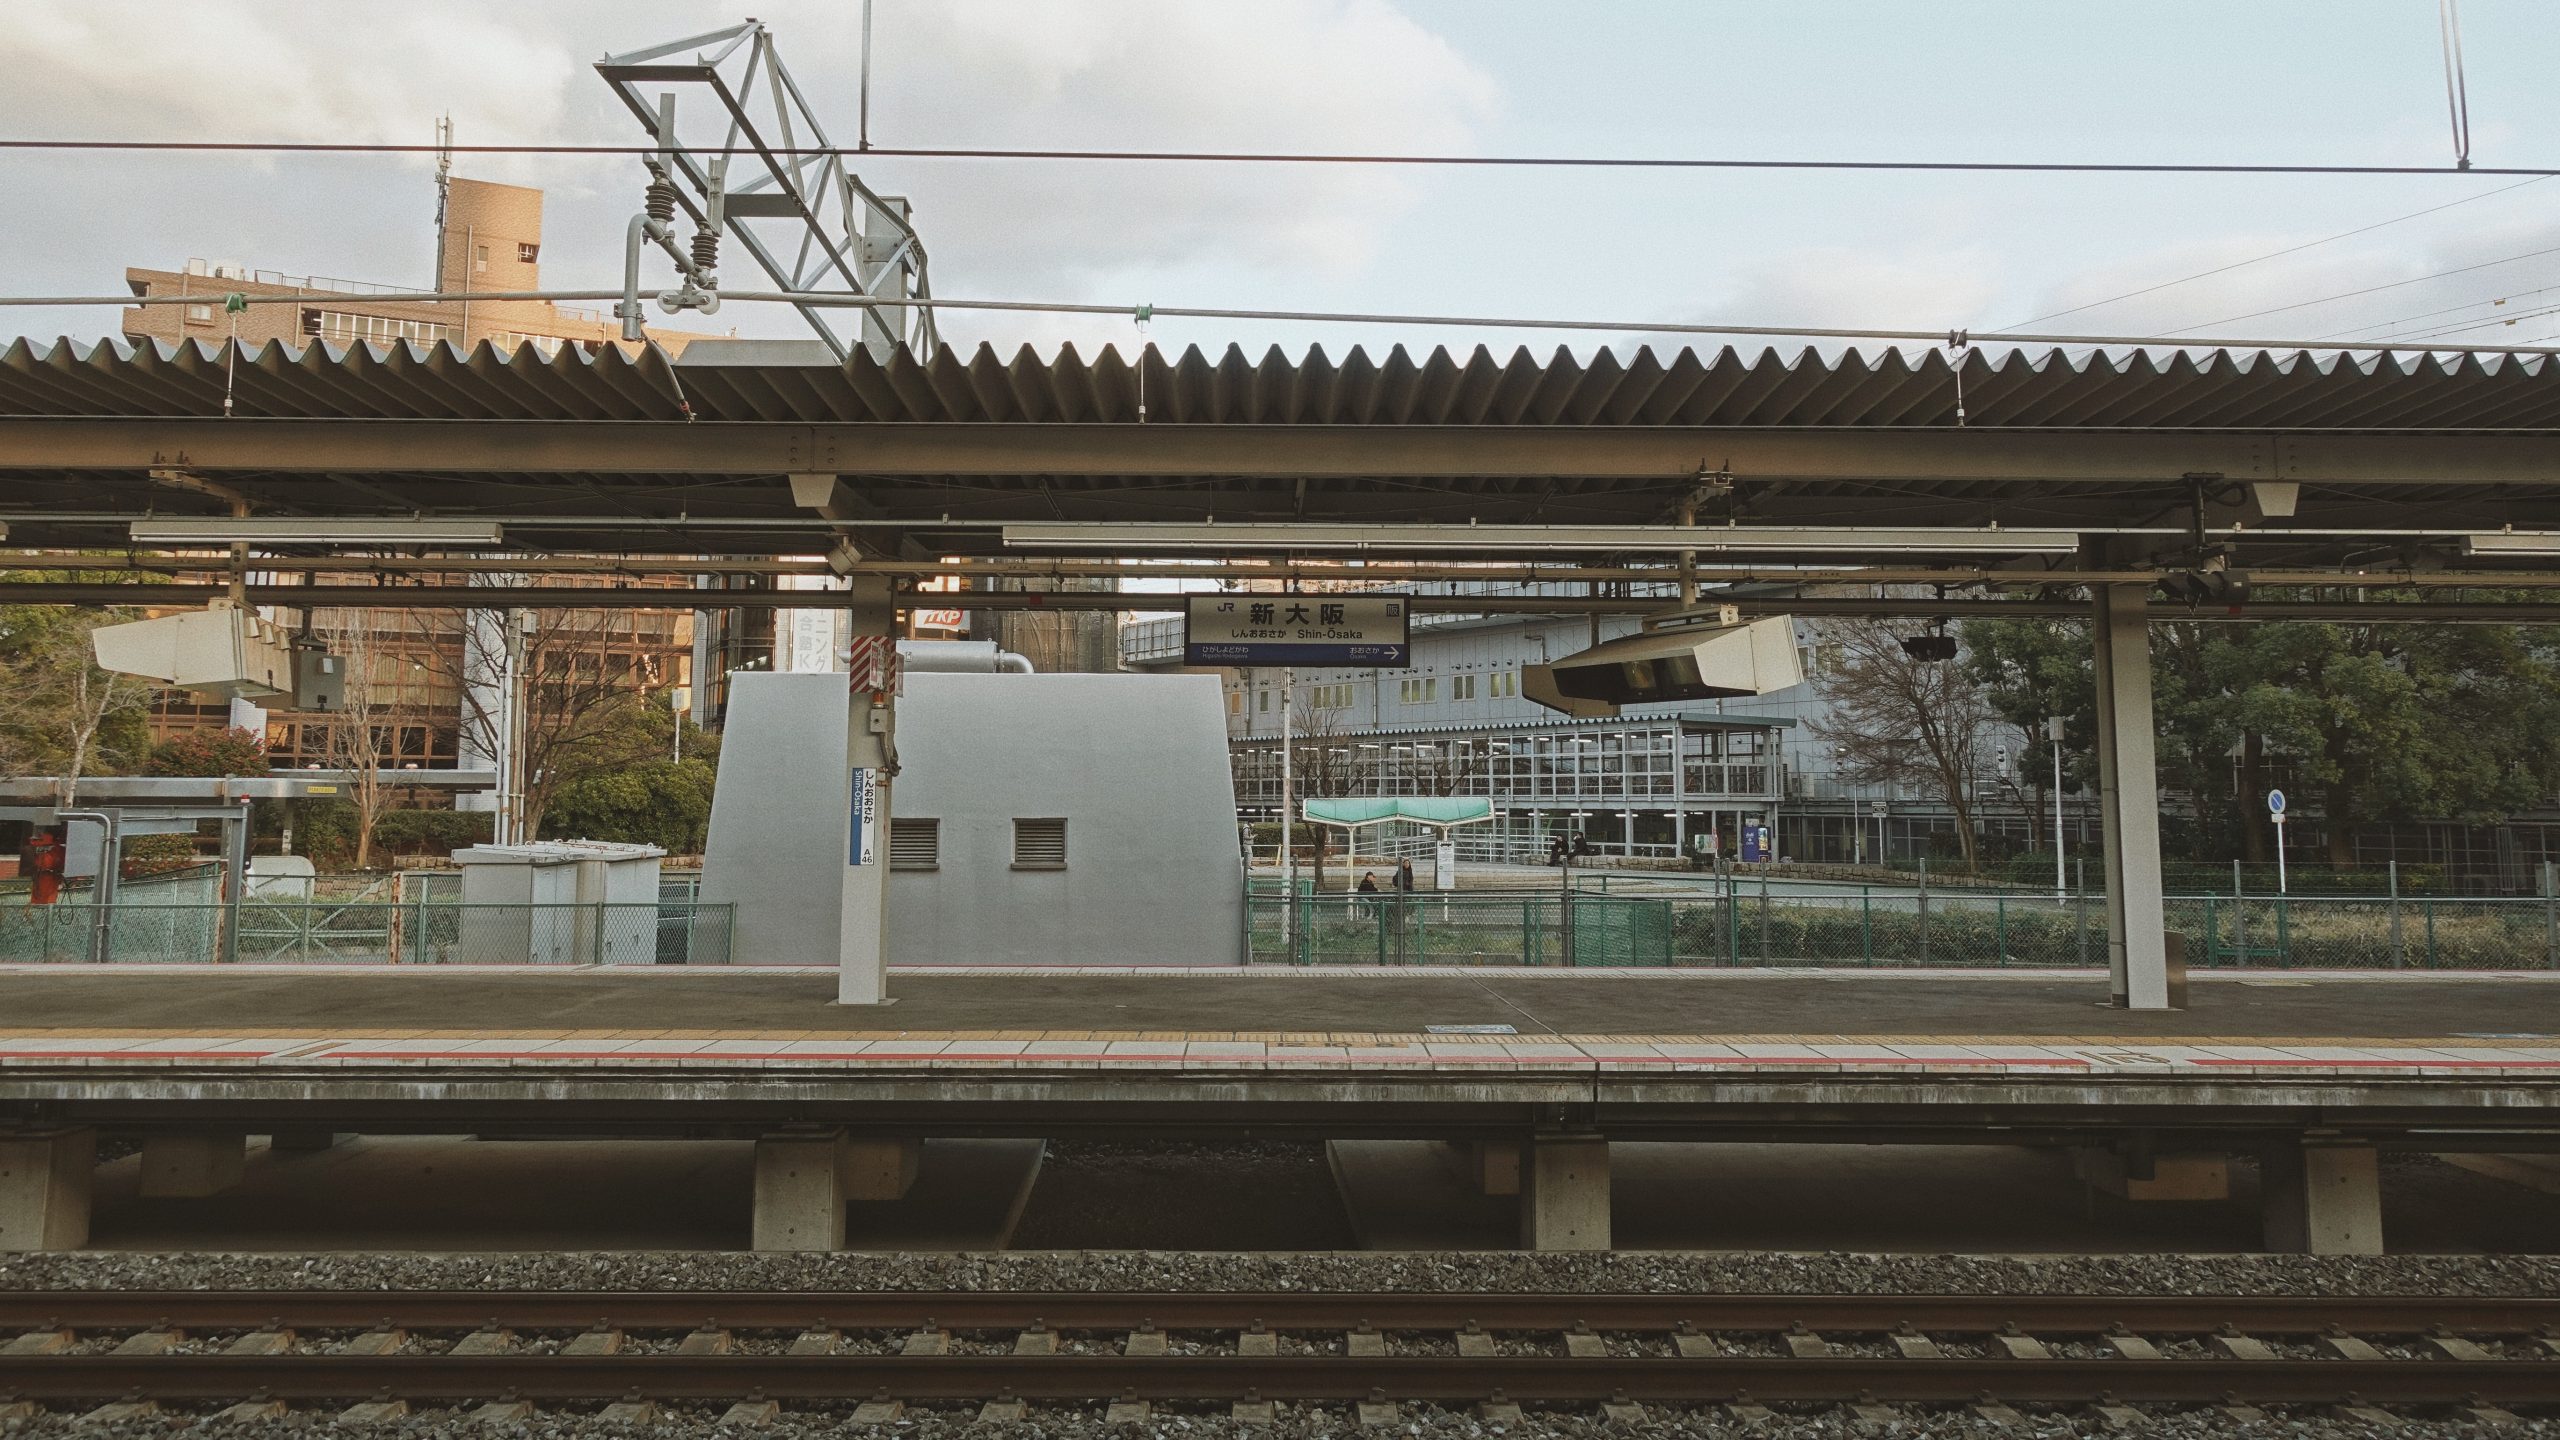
<point>363,733</point>
<point>1321,755</point>
<point>575,671</point>
<point>1902,720</point>
<point>58,708</point>
<point>1437,767</point>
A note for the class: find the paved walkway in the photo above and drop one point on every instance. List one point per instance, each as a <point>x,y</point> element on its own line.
<point>1262,1006</point>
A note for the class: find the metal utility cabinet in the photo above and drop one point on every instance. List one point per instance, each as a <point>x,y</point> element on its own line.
<point>559,902</point>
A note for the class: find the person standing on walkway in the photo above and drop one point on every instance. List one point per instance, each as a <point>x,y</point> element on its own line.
<point>1401,919</point>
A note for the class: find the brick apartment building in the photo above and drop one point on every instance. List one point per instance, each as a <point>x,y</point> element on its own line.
<point>491,240</point>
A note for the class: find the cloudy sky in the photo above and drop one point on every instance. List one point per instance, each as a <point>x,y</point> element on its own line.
<point>2313,81</point>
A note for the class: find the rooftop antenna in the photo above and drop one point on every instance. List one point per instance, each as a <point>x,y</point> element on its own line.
<point>444,192</point>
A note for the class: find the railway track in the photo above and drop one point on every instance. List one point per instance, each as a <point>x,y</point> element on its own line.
<point>108,1354</point>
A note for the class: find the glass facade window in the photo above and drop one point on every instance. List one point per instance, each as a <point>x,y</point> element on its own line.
<point>344,327</point>
<point>544,345</point>
<point>1650,771</point>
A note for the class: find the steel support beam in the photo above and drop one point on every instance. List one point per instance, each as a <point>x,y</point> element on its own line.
<point>2129,802</point>
<point>1316,451</point>
<point>562,597</point>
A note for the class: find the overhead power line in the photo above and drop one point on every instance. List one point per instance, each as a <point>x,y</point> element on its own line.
<point>2272,255</point>
<point>2457,90</point>
<point>2387,327</point>
<point>2371,289</point>
<point>1955,337</point>
<point>2488,322</point>
<point>1206,157</point>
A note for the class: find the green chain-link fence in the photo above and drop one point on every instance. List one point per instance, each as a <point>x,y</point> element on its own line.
<point>1459,928</point>
<point>422,932</point>
<point>1894,927</point>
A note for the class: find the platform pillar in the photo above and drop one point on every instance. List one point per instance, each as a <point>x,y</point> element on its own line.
<point>2322,1200</point>
<point>878,1169</point>
<point>800,1192</point>
<point>191,1164</point>
<point>1564,1193</point>
<point>45,1183</point>
<point>2129,801</point>
<point>871,761</point>
<point>2536,1172</point>
<point>2197,1175</point>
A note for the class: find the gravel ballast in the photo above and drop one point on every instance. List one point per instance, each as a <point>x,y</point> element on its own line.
<point>1645,1271</point>
<point>1161,1270</point>
<point>1326,1422</point>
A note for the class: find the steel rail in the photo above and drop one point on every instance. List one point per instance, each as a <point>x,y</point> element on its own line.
<point>1288,1377</point>
<point>1278,1310</point>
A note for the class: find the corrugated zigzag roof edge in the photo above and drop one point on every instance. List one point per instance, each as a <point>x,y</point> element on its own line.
<point>2262,390</point>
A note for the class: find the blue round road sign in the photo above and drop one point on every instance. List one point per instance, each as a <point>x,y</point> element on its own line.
<point>2275,802</point>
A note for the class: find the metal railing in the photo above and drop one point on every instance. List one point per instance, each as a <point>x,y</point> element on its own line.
<point>423,932</point>
<point>1742,925</point>
<point>1458,928</point>
<point>328,283</point>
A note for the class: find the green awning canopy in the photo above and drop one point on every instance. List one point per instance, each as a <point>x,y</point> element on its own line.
<point>1442,811</point>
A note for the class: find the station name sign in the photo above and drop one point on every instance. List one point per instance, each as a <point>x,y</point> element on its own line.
<point>1347,630</point>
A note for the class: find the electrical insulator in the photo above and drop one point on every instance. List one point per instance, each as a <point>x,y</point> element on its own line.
<point>706,250</point>
<point>661,201</point>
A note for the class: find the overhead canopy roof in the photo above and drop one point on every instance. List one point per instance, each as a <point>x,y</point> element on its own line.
<point>678,455</point>
<point>1440,811</point>
<point>776,381</point>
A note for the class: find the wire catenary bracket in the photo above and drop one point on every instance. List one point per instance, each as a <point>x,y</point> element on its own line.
<point>806,219</point>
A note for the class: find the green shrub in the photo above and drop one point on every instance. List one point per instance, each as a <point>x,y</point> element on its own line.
<point>432,832</point>
<point>157,855</point>
<point>216,752</point>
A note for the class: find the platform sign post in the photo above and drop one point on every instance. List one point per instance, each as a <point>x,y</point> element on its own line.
<point>870,760</point>
<point>2275,812</point>
<point>1352,631</point>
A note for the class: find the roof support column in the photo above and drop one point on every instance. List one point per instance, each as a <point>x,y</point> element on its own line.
<point>871,760</point>
<point>2129,801</point>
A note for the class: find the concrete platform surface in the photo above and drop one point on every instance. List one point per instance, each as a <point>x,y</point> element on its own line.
<point>1297,1006</point>
<point>1574,1024</point>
